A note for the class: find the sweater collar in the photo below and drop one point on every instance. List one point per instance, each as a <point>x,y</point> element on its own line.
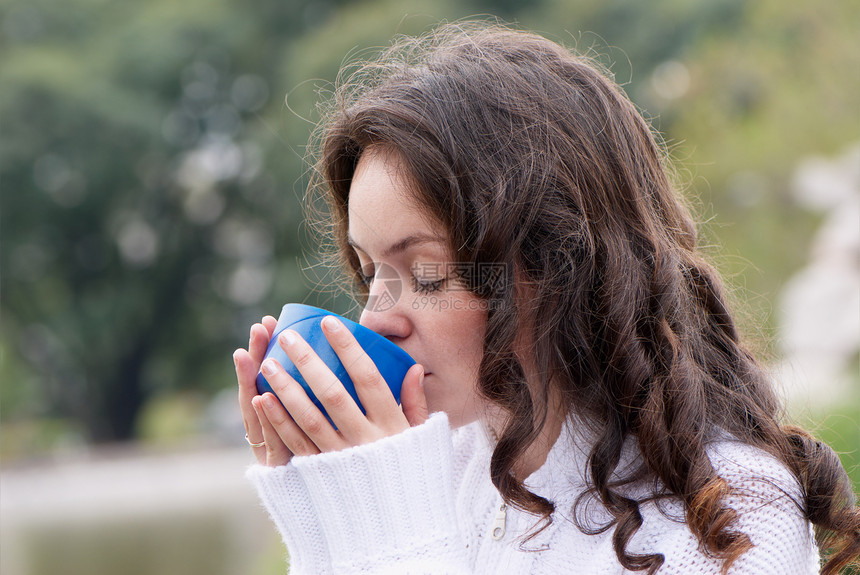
<point>563,474</point>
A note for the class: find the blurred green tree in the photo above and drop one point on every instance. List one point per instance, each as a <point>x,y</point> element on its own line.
<point>152,181</point>
<point>144,194</point>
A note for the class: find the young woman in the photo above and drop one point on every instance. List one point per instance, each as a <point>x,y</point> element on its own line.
<point>583,402</point>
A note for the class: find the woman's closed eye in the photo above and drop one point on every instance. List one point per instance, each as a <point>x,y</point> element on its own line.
<point>424,283</point>
<point>425,287</point>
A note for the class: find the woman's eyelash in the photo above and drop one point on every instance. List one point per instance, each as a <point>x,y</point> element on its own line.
<point>421,287</point>
<point>363,278</point>
<point>426,287</point>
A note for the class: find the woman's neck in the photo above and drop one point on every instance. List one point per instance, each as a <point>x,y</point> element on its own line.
<point>535,454</point>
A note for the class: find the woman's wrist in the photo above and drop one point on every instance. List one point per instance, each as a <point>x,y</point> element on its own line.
<point>285,496</point>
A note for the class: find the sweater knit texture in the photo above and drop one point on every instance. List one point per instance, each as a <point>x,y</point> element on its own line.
<point>422,502</point>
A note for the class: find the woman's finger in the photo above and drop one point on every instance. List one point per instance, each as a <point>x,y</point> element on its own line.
<point>291,434</point>
<point>373,391</point>
<point>412,397</point>
<point>300,407</point>
<point>270,323</point>
<point>277,452</point>
<point>246,374</point>
<point>259,342</point>
<point>341,407</point>
<point>247,366</point>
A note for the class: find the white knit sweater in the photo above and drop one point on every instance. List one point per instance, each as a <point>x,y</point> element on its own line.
<point>422,502</point>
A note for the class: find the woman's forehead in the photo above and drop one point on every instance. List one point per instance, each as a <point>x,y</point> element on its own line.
<point>383,214</point>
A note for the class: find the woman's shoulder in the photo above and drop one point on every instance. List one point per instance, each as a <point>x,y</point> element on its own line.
<point>754,474</point>
<point>768,502</point>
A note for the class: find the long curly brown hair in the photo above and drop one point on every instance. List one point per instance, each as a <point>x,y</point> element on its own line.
<point>529,155</point>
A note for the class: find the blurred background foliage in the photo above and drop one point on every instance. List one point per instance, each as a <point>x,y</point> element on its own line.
<point>152,173</point>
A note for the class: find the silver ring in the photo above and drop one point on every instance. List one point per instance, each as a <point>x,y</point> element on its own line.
<point>252,444</point>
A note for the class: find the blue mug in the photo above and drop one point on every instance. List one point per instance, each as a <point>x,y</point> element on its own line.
<point>391,361</point>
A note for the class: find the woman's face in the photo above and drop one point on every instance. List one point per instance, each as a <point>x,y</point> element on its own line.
<point>414,301</point>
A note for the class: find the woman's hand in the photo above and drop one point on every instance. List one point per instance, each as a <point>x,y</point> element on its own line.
<point>301,428</point>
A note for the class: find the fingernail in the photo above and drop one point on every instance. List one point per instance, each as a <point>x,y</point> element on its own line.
<point>269,367</point>
<point>269,401</point>
<point>287,337</point>
<point>421,379</point>
<point>331,323</point>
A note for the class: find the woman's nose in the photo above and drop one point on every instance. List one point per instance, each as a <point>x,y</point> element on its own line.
<point>384,313</point>
<point>389,323</point>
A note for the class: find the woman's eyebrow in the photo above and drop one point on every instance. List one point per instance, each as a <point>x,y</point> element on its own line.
<point>401,245</point>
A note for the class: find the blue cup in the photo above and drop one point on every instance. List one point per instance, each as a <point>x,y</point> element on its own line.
<point>391,361</point>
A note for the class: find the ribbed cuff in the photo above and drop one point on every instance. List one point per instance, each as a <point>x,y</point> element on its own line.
<point>388,502</point>
<point>285,496</point>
